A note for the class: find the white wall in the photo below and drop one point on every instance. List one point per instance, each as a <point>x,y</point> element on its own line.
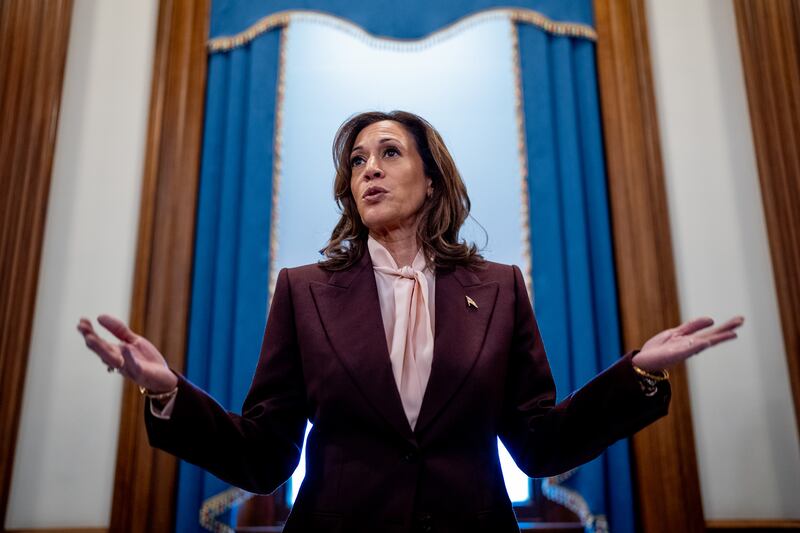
<point>66,449</point>
<point>745,430</point>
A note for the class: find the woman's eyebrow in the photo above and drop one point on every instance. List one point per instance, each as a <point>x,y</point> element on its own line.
<point>382,141</point>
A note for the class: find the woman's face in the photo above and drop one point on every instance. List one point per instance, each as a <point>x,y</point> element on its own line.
<point>388,180</point>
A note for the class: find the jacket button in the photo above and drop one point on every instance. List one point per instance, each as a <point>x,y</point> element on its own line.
<point>424,524</point>
<point>411,457</point>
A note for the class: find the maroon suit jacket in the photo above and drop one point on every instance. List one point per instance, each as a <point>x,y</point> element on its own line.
<point>324,358</point>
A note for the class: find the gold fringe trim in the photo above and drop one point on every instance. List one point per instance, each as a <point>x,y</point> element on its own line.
<point>217,504</point>
<point>522,149</point>
<point>553,490</point>
<point>570,29</point>
<point>277,145</point>
<point>282,19</point>
<point>224,44</point>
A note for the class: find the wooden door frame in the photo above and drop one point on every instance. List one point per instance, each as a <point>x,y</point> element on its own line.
<point>146,479</point>
<point>769,42</point>
<point>33,53</point>
<point>665,464</point>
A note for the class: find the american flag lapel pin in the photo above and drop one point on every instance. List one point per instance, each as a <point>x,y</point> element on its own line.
<point>471,302</point>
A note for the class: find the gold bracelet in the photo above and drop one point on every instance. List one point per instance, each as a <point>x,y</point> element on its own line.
<point>158,396</point>
<point>664,374</point>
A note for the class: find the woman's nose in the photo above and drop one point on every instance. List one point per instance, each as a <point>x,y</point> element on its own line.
<point>373,170</point>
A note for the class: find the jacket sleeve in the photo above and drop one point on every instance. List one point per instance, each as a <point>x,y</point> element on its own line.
<point>546,438</point>
<point>259,449</point>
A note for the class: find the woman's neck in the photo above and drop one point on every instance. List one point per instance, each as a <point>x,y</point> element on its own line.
<point>401,244</point>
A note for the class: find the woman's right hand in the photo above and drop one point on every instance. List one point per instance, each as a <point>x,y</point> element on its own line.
<point>134,357</point>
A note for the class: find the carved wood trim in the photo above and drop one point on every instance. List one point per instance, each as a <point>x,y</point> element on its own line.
<point>769,41</point>
<point>33,50</point>
<point>668,487</point>
<point>742,526</point>
<point>59,530</point>
<point>144,486</point>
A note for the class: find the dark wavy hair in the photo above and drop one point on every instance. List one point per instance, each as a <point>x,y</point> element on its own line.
<point>440,217</point>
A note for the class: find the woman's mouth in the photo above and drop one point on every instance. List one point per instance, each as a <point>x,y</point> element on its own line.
<point>373,194</point>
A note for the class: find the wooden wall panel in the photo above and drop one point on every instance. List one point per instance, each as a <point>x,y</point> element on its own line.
<point>755,526</point>
<point>58,530</point>
<point>144,486</point>
<point>668,487</point>
<point>33,48</point>
<point>769,41</point>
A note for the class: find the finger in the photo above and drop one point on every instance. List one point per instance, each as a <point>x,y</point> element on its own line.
<point>117,327</point>
<point>731,324</point>
<point>85,326</point>
<point>687,328</point>
<point>727,327</point>
<point>107,352</point>
<point>722,337</point>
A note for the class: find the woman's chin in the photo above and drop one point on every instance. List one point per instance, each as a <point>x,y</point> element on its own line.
<point>376,221</point>
<point>380,221</point>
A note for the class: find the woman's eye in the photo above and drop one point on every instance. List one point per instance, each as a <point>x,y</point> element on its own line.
<point>356,161</point>
<point>391,152</point>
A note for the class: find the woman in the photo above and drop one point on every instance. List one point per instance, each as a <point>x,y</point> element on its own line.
<point>410,354</point>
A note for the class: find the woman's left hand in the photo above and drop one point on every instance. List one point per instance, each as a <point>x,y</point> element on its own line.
<point>675,345</point>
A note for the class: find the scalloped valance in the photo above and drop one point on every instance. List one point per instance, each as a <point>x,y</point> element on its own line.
<point>226,43</point>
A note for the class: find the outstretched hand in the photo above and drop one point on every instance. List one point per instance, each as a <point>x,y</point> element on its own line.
<point>135,357</point>
<point>675,345</point>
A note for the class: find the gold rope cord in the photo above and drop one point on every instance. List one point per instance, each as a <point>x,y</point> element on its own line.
<point>553,490</point>
<point>277,145</point>
<point>570,29</point>
<point>282,18</point>
<point>522,147</point>
<point>275,20</point>
<point>216,505</point>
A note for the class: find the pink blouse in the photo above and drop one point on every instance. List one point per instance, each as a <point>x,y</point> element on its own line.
<point>406,297</point>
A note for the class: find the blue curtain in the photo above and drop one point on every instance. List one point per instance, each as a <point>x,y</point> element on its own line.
<point>229,289</point>
<point>573,271</point>
<point>573,268</point>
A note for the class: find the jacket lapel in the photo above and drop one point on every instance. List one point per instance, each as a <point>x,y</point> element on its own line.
<point>350,311</point>
<point>460,331</point>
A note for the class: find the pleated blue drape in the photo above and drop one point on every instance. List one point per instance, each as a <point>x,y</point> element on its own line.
<point>229,289</point>
<point>573,270</point>
<point>572,257</point>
